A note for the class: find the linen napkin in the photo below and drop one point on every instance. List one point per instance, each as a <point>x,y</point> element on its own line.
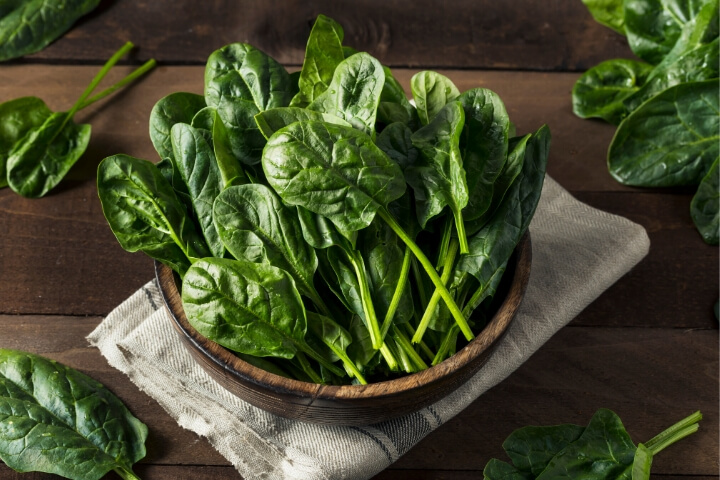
<point>578,252</point>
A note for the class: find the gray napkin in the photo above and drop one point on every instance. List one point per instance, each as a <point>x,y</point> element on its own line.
<point>578,252</point>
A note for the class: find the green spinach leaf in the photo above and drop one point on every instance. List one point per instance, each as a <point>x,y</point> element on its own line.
<point>29,26</point>
<point>431,91</point>
<point>270,121</point>
<point>179,107</point>
<point>608,12</point>
<point>54,419</point>
<point>532,448</point>
<point>672,139</point>
<point>705,206</point>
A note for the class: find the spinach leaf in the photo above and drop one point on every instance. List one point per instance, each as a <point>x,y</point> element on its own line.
<point>195,160</point>
<point>438,178</point>
<point>17,118</point>
<point>45,155</point>
<point>385,266</point>
<point>608,12</point>
<point>355,177</point>
<point>532,448</point>
<point>604,450</point>
<point>394,105</point>
<point>705,205</point>
<point>244,138</point>
<point>323,53</point>
<point>600,91</point>
<point>396,141</point>
<point>320,233</point>
<point>145,214</point>
<point>653,26</point>
<point>484,145</point>
<point>54,419</point>
<point>336,338</point>
<point>253,223</point>
<point>498,470</point>
<point>230,168</point>
<point>270,121</point>
<point>354,92</point>
<point>179,107</point>
<point>431,91</point>
<point>642,463</point>
<point>242,72</point>
<point>672,139</point>
<point>29,26</point>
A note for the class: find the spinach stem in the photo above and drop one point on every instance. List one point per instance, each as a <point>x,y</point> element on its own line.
<point>398,293</point>
<point>419,283</point>
<point>304,347</point>
<point>452,306</point>
<point>444,242</point>
<point>125,473</point>
<point>129,79</point>
<point>462,237</point>
<point>389,357</point>
<point>680,430</point>
<point>307,368</point>
<point>409,330</point>
<point>366,298</point>
<point>405,362</point>
<point>448,339</point>
<point>435,299</point>
<point>405,344</point>
<point>349,364</point>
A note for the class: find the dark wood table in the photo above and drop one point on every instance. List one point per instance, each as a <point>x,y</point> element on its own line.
<point>647,348</point>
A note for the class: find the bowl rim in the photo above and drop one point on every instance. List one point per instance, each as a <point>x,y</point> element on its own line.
<point>239,369</point>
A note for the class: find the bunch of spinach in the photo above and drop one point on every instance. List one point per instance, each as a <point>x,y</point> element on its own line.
<point>299,209</point>
<point>28,26</point>
<point>54,419</point>
<point>38,146</point>
<point>601,451</point>
<point>666,106</point>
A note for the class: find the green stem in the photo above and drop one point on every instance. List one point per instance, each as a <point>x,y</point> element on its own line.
<point>435,299</point>
<point>448,339</point>
<point>419,283</point>
<point>398,293</point>
<point>405,344</point>
<point>307,368</point>
<point>410,331</point>
<point>349,364</point>
<point>114,88</point>
<point>454,310</point>
<point>390,359</point>
<point>680,430</point>
<point>405,362</point>
<point>304,347</point>
<point>125,473</point>
<point>444,242</point>
<point>462,237</point>
<point>366,298</point>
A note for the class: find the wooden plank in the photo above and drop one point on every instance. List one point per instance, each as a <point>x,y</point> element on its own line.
<point>528,35</point>
<point>650,377</point>
<point>56,246</point>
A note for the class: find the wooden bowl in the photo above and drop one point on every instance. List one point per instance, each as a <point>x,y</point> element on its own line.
<point>350,404</point>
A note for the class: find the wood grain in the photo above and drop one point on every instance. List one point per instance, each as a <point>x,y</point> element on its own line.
<point>577,371</point>
<point>523,34</point>
<point>351,404</point>
<point>55,245</point>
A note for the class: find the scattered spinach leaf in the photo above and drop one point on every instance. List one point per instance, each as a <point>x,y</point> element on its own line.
<point>705,206</point>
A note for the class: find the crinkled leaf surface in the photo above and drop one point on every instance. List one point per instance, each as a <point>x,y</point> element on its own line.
<point>57,420</point>
<point>672,139</point>
<point>354,92</point>
<point>17,118</point>
<point>29,26</point>
<point>332,170</point>
<point>145,214</point>
<point>247,307</point>
<point>248,212</point>
<point>705,205</point>
<point>600,91</point>
<point>179,107</point>
<point>45,155</point>
<point>195,159</point>
<point>272,120</point>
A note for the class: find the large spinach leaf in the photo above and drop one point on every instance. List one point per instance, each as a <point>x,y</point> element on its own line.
<point>705,206</point>
<point>17,118</point>
<point>323,53</point>
<point>354,92</point>
<point>195,160</point>
<point>145,214</point>
<point>29,26</point>
<point>600,91</point>
<point>254,225</point>
<point>394,105</point>
<point>270,121</point>
<point>57,420</point>
<point>355,177</point>
<point>672,139</point>
<point>431,91</point>
<point>532,448</point>
<point>179,107</point>
<point>608,12</point>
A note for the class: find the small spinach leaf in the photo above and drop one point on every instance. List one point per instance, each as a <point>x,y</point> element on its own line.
<point>705,205</point>
<point>431,91</point>
<point>179,107</point>
<point>608,12</point>
<point>532,448</point>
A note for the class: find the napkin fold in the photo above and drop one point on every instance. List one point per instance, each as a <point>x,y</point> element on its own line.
<point>578,252</point>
